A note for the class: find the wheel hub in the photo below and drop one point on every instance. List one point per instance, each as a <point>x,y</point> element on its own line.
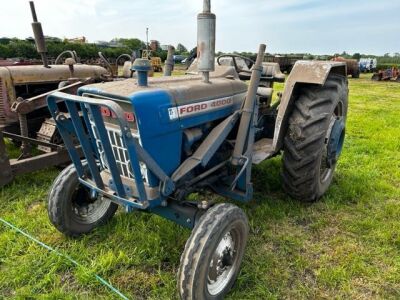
<point>335,142</point>
<point>221,265</point>
<point>86,207</point>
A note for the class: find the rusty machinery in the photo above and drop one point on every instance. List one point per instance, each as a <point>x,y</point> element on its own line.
<point>149,143</point>
<point>390,74</point>
<point>155,61</point>
<point>286,62</point>
<point>24,117</point>
<point>353,67</point>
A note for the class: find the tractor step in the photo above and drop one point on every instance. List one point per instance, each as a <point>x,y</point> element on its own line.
<point>262,150</point>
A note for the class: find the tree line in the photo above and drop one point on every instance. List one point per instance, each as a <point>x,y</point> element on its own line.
<point>17,48</point>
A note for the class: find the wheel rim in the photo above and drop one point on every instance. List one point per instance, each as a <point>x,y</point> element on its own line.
<point>326,169</point>
<point>222,264</point>
<point>87,210</point>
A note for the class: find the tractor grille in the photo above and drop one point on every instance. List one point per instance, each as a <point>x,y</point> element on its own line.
<point>2,112</point>
<point>120,154</point>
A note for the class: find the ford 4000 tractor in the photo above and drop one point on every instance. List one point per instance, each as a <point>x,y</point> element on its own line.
<point>150,142</point>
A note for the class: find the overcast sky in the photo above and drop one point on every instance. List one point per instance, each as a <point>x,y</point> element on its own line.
<point>314,26</point>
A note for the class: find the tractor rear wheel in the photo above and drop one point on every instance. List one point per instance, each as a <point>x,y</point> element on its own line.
<point>356,74</point>
<point>314,139</point>
<point>71,208</point>
<point>211,260</point>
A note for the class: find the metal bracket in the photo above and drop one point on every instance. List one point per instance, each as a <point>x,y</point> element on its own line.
<point>244,166</point>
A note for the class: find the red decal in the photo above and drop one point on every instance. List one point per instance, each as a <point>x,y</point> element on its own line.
<point>105,112</point>
<point>129,117</point>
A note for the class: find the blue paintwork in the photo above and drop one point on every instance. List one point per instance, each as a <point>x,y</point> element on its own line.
<point>95,115</point>
<point>142,70</point>
<point>336,141</point>
<point>159,134</point>
<point>160,137</point>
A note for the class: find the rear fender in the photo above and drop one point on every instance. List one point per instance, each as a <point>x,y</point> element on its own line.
<point>303,72</point>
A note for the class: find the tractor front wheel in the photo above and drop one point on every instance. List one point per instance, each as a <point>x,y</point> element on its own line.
<point>211,260</point>
<point>72,209</point>
<point>314,139</point>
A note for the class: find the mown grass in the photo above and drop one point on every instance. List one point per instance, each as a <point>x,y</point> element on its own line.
<point>346,246</point>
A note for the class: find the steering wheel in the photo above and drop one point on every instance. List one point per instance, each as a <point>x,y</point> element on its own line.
<point>71,53</point>
<point>234,57</point>
<point>106,63</point>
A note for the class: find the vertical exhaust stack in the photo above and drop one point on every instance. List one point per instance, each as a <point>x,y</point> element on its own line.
<point>39,37</point>
<point>169,62</point>
<point>206,23</point>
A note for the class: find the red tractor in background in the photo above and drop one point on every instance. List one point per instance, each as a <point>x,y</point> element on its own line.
<point>390,74</point>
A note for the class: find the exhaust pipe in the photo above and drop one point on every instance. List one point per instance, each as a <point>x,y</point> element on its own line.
<point>206,23</point>
<point>39,37</point>
<point>248,108</point>
<point>169,62</point>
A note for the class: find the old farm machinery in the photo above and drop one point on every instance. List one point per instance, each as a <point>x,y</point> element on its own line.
<point>150,142</point>
<point>353,67</point>
<point>24,117</point>
<point>390,74</point>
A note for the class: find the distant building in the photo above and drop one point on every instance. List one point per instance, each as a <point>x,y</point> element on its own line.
<point>77,40</point>
<point>112,44</point>
<point>115,43</point>
<point>164,47</point>
<point>154,45</point>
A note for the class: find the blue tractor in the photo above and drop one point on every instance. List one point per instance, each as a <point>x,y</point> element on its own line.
<point>147,143</point>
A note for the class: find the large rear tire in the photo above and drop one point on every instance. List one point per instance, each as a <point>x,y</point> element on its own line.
<point>72,210</point>
<point>356,73</point>
<point>211,260</point>
<point>314,139</point>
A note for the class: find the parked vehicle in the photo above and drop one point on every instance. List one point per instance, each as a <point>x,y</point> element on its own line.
<point>368,65</point>
<point>24,117</point>
<point>390,74</point>
<point>353,67</point>
<point>150,142</point>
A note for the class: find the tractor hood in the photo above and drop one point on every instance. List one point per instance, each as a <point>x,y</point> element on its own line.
<point>183,89</point>
<point>39,74</point>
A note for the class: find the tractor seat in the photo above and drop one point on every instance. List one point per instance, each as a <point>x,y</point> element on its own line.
<point>265,95</point>
<point>264,92</point>
<point>272,72</point>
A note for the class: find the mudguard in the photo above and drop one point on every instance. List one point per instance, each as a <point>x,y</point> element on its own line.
<point>303,72</point>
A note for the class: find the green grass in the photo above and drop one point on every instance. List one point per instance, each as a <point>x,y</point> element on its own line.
<point>346,246</point>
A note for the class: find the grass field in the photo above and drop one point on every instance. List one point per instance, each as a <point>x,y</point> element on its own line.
<point>347,246</point>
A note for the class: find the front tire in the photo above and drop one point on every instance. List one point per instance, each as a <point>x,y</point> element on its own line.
<point>314,139</point>
<point>211,260</point>
<point>71,209</point>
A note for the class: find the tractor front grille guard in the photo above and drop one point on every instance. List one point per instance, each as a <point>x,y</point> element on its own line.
<point>120,152</point>
<point>91,132</point>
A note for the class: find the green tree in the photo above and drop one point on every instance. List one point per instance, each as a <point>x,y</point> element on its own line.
<point>180,49</point>
<point>357,56</point>
<point>133,44</point>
